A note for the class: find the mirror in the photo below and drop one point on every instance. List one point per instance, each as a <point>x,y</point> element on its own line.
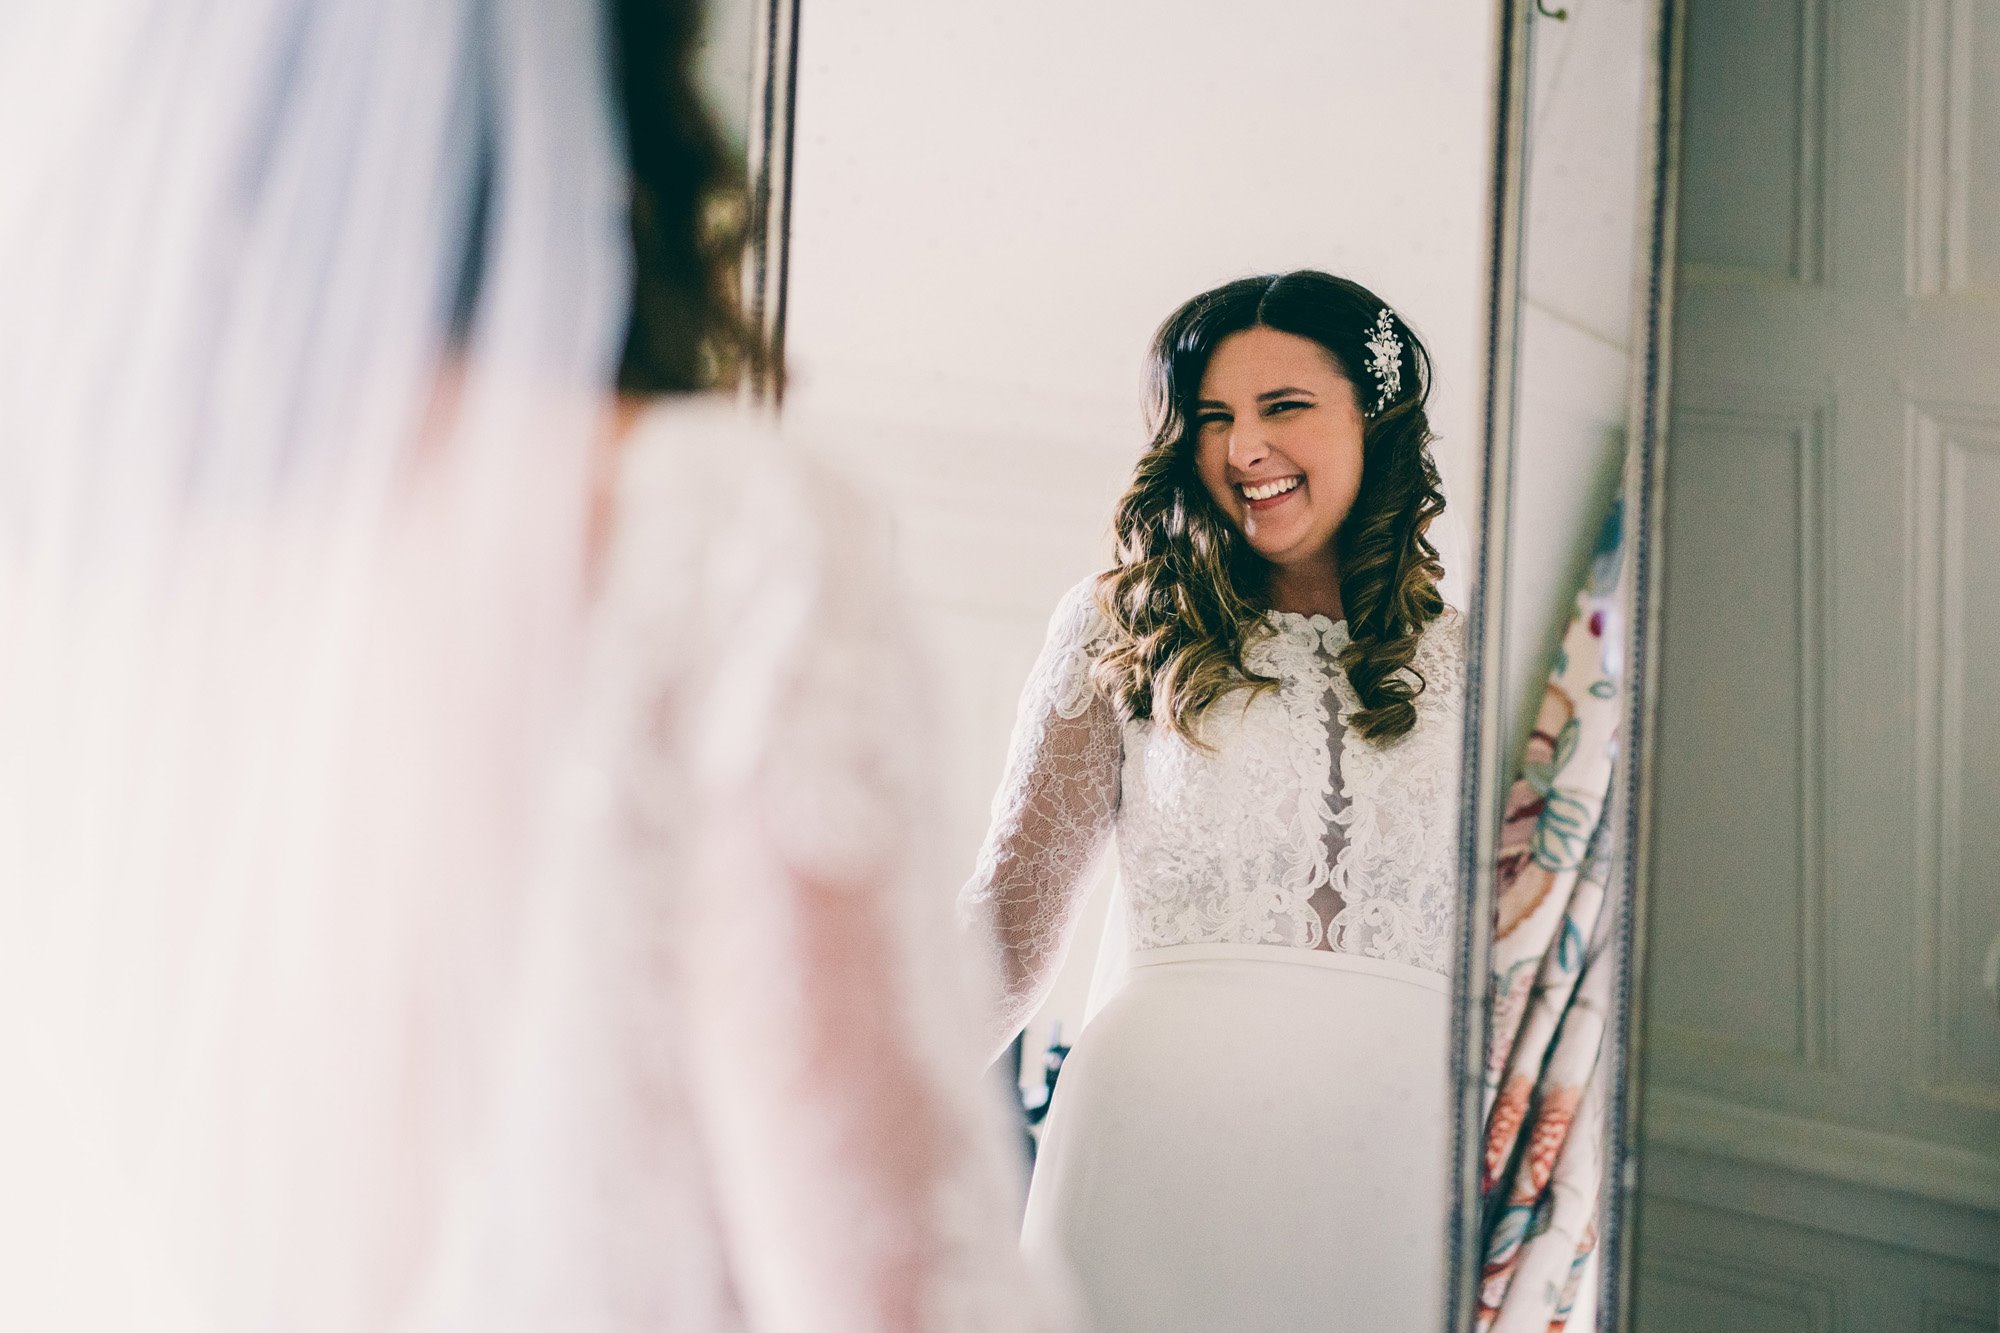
<point>1556,1095</point>
<point>1250,953</point>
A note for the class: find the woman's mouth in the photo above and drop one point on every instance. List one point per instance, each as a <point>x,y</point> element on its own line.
<point>1270,494</point>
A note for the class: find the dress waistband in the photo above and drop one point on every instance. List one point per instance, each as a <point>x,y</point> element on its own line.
<point>1284,953</point>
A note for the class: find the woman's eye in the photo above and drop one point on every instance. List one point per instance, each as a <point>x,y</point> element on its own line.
<point>1287,406</point>
<point>1203,423</point>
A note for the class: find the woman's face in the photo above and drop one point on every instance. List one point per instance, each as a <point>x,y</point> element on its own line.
<point>1279,442</point>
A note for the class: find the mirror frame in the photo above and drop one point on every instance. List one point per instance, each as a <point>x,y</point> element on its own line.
<point>1643,490</point>
<point>1487,769</point>
<point>774,82</point>
<point>1645,508</point>
<point>771,138</point>
<point>1482,767</point>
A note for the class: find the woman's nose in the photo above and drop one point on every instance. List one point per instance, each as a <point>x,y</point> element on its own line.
<point>1246,446</point>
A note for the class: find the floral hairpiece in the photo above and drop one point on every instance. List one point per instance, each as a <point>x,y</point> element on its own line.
<point>1385,360</point>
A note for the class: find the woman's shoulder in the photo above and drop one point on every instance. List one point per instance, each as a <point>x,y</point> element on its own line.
<point>1079,607</point>
<point>1078,634</point>
<point>702,479</point>
<point>719,521</point>
<point>1078,625</point>
<point>710,457</point>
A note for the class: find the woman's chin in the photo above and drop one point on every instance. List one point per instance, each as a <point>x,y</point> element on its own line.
<point>1288,548</point>
<point>1279,546</point>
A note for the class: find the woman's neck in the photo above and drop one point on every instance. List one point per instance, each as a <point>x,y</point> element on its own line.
<point>1310,589</point>
<point>608,452</point>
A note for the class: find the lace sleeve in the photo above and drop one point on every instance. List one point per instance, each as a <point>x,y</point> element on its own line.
<point>1052,816</point>
<point>864,1176</point>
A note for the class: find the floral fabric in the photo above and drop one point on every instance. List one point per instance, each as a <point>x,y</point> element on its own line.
<point>1551,983</point>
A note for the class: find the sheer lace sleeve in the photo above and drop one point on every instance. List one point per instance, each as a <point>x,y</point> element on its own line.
<point>864,1176</point>
<point>1052,816</point>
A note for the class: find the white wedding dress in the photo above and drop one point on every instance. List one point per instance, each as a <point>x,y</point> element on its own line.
<point>663,1027</point>
<point>403,927</point>
<point>1252,1130</point>
<point>753,1106</point>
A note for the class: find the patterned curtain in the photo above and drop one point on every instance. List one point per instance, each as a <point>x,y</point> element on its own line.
<point>1551,983</point>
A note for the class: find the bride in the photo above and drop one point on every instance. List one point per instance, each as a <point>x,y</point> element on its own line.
<point>1261,703</point>
<point>459,870</point>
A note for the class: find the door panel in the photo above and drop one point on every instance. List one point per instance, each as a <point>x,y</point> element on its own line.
<point>1826,873</point>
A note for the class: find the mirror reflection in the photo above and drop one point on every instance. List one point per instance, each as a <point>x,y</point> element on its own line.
<point>1260,702</point>
<point>1554,1071</point>
<point>1174,401</point>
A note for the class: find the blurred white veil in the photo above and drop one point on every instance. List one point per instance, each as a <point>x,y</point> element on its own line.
<point>308,316</point>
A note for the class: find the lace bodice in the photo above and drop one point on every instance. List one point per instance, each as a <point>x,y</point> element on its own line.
<point>1288,830</point>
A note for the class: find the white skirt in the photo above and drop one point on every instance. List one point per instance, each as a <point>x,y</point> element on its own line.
<point>1252,1137</point>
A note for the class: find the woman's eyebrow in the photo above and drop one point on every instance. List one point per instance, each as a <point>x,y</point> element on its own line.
<point>1271,394</point>
<point>1208,404</point>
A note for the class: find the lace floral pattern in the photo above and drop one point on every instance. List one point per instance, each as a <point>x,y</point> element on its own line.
<point>1228,844</point>
<point>1399,875</point>
<point>1053,815</point>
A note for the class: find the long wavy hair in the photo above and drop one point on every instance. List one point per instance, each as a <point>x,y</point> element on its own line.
<point>1186,595</point>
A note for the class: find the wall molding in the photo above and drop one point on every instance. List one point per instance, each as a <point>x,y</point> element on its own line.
<point>1813,1203</point>
<point>1941,439</point>
<point>1945,1317</point>
<point>1816,1303</point>
<point>1812,178</point>
<point>1939,153</point>
<point>1697,1123</point>
<point>1814,182</point>
<point>1805,428</point>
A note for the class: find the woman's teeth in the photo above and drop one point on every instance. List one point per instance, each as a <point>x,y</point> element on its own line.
<point>1271,488</point>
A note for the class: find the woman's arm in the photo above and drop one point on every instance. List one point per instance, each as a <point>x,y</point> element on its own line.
<point>866,1178</point>
<point>1052,816</point>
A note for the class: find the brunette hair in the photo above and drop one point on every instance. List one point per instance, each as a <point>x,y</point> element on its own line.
<point>687,213</point>
<point>1183,594</point>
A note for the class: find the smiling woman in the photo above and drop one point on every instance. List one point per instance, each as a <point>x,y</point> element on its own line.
<point>1282,463</point>
<point>1262,699</point>
<point>1256,382</point>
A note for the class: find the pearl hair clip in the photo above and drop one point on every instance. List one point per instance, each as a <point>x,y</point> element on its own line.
<point>1385,360</point>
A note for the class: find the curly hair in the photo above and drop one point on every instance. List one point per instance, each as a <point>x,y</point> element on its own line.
<point>1184,594</point>
<point>687,213</point>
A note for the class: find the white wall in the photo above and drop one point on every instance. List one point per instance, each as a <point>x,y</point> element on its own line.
<point>1586,126</point>
<point>995,206</point>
